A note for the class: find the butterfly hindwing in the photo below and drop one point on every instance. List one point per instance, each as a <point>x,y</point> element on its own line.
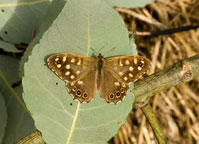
<point>85,88</point>
<point>111,89</point>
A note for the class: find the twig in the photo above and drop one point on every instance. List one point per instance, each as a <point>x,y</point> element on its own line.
<point>34,138</point>
<point>183,71</point>
<point>141,17</point>
<point>166,31</point>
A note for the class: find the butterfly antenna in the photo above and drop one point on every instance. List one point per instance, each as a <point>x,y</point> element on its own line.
<point>82,50</point>
<point>100,49</point>
<point>93,51</point>
<point>112,49</point>
<point>96,52</point>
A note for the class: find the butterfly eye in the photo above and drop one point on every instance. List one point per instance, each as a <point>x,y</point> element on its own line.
<point>111,96</point>
<point>78,92</point>
<point>117,94</point>
<point>85,95</point>
<point>74,88</point>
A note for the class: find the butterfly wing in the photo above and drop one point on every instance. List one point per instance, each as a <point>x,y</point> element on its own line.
<point>79,72</point>
<point>111,89</point>
<point>127,68</point>
<point>117,73</point>
<point>85,88</point>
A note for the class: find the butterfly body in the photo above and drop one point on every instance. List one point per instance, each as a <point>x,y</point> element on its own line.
<point>85,75</point>
<point>100,63</point>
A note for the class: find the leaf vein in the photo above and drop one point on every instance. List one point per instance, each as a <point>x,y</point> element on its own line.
<point>54,97</point>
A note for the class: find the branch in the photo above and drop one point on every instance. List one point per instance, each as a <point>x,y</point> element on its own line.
<point>183,71</point>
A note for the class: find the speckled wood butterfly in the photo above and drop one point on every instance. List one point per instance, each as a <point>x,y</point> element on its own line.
<point>84,75</point>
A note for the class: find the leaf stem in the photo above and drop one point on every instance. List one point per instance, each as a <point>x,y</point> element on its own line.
<point>14,93</point>
<point>148,112</point>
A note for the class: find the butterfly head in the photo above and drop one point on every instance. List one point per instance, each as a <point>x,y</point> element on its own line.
<point>100,56</point>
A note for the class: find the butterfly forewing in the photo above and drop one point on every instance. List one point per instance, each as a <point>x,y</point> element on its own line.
<point>76,70</point>
<point>70,67</point>
<point>127,68</point>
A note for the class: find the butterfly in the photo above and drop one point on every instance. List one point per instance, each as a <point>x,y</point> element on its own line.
<point>85,75</point>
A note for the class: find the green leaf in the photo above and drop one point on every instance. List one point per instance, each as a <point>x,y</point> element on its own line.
<point>128,3</point>
<point>8,47</point>
<point>20,18</point>
<point>19,123</point>
<point>86,27</point>
<point>9,67</point>
<point>3,117</point>
<point>54,9</point>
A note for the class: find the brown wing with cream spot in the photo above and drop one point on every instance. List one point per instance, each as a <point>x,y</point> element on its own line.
<point>117,73</point>
<point>70,67</point>
<point>78,71</point>
<point>111,89</point>
<point>127,68</point>
<point>85,88</point>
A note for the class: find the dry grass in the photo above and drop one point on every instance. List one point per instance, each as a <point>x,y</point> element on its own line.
<point>177,108</point>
